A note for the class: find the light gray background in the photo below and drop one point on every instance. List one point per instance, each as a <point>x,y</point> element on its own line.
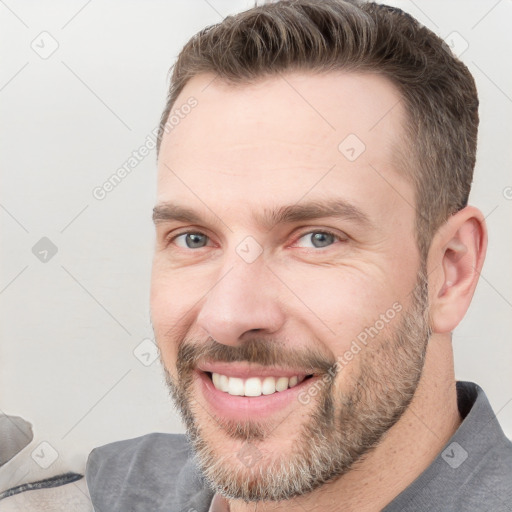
<point>70,326</point>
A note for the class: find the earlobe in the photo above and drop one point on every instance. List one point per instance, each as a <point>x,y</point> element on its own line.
<point>457,255</point>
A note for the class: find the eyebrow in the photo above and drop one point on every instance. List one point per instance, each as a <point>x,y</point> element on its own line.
<point>337,207</point>
<point>312,210</point>
<point>166,212</point>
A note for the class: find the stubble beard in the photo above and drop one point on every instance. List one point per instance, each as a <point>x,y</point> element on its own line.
<point>340,430</point>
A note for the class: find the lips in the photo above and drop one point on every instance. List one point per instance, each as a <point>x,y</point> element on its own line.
<point>243,391</point>
<point>254,386</point>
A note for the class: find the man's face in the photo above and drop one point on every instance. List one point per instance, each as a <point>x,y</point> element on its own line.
<point>287,298</point>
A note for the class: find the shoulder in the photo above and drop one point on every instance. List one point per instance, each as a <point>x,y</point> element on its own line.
<point>142,453</point>
<point>474,469</point>
<point>488,452</point>
<point>477,461</point>
<point>153,472</point>
<point>491,478</point>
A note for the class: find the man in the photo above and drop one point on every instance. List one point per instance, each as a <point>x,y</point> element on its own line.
<point>314,252</point>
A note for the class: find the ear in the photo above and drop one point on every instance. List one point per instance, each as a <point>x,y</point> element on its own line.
<point>455,259</point>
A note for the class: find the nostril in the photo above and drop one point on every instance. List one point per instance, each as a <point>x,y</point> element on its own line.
<point>255,330</point>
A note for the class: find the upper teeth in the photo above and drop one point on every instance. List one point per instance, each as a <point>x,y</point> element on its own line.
<point>254,386</point>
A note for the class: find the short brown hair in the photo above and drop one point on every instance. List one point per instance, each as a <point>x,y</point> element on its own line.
<point>438,90</point>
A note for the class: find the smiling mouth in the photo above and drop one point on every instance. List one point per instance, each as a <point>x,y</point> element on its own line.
<point>254,386</point>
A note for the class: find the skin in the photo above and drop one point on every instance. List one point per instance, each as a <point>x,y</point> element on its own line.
<point>272,144</point>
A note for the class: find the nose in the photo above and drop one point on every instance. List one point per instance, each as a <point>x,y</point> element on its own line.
<point>243,302</point>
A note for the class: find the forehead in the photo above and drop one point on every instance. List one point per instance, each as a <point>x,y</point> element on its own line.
<point>281,138</point>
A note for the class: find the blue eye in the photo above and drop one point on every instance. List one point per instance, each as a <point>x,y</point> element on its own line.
<point>318,239</point>
<point>191,240</point>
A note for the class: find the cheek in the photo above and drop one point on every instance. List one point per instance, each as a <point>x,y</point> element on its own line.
<point>162,299</point>
<point>175,299</point>
<point>169,304</point>
<point>339,304</point>
<point>173,292</point>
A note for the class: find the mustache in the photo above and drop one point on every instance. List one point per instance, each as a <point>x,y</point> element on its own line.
<point>260,351</point>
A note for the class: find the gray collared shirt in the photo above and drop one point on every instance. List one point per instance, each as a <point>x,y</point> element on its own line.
<point>157,472</point>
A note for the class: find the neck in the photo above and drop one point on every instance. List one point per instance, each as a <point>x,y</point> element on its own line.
<point>405,451</point>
